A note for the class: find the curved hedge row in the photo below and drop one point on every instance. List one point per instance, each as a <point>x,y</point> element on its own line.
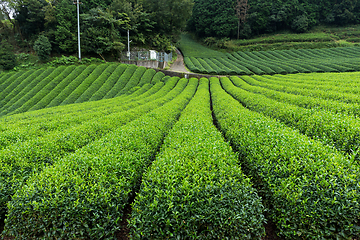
<point>17,161</point>
<point>276,62</point>
<point>97,84</point>
<point>122,81</point>
<point>338,130</point>
<point>18,129</point>
<point>41,82</point>
<point>69,88</point>
<point>299,100</point>
<point>311,189</point>
<point>133,81</point>
<point>194,189</point>
<point>25,90</point>
<point>332,95</point>
<point>45,90</point>
<point>85,84</point>
<point>109,84</point>
<point>157,77</point>
<point>90,194</point>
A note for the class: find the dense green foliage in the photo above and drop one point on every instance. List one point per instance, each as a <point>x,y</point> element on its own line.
<point>311,189</point>
<point>104,23</point>
<point>194,188</point>
<point>109,182</point>
<point>7,56</point>
<point>32,90</point>
<point>200,59</point>
<point>70,170</point>
<point>42,47</point>
<point>218,18</point>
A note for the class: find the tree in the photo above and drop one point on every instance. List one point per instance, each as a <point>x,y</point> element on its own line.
<point>241,10</point>
<point>42,48</point>
<point>101,32</point>
<point>214,18</point>
<point>7,56</point>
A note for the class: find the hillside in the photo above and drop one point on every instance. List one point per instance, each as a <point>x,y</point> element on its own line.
<point>121,143</point>
<point>201,59</point>
<point>36,89</point>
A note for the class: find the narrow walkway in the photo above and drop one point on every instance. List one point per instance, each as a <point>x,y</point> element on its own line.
<point>178,65</point>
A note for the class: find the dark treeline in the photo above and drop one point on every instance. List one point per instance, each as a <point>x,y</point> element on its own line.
<point>104,23</point>
<point>224,18</point>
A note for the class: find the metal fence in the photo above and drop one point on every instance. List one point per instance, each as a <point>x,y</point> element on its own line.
<point>146,56</point>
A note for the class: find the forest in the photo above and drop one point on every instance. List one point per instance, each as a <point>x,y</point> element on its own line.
<point>157,24</point>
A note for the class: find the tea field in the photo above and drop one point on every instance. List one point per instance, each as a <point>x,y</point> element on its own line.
<point>200,59</point>
<point>215,158</point>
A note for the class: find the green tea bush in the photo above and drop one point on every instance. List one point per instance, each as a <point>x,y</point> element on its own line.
<point>195,189</point>
<point>157,77</point>
<point>338,130</point>
<point>133,81</point>
<point>299,100</point>
<point>20,161</point>
<point>69,88</point>
<point>85,84</point>
<point>11,90</point>
<point>146,78</point>
<point>311,190</point>
<point>39,84</point>
<point>85,189</point>
<point>97,84</point>
<point>121,82</point>
<point>109,84</point>
<point>45,101</point>
<point>332,95</point>
<point>46,90</point>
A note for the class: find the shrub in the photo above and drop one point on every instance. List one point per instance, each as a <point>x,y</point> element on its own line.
<point>42,47</point>
<point>7,56</point>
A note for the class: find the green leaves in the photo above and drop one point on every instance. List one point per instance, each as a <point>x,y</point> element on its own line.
<point>309,187</point>
<point>194,188</point>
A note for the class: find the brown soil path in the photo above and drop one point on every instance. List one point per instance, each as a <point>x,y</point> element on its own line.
<point>178,65</point>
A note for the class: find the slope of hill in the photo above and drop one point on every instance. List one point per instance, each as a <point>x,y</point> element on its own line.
<point>32,90</point>
<point>183,158</point>
<point>200,59</point>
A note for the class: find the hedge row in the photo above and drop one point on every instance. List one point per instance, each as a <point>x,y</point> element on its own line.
<point>351,86</point>
<point>275,62</point>
<point>299,100</point>
<point>46,100</point>
<point>47,115</point>
<point>85,84</point>
<point>97,84</point>
<point>90,188</point>
<point>121,82</point>
<point>69,88</point>
<point>312,190</point>
<point>6,97</point>
<point>5,76</point>
<point>41,83</point>
<point>45,90</point>
<point>338,130</point>
<point>19,161</point>
<point>195,189</point>
<point>25,90</point>
<point>133,81</point>
<point>109,84</point>
<point>38,126</point>
<point>332,95</point>
<point>157,77</point>
<point>147,77</point>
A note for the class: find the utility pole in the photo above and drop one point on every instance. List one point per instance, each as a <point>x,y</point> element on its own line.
<point>78,21</point>
<point>128,44</point>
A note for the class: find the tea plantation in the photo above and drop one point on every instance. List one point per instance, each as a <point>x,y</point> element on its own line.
<point>200,59</point>
<point>81,146</point>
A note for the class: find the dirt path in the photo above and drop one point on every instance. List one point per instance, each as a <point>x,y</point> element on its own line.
<point>178,65</point>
